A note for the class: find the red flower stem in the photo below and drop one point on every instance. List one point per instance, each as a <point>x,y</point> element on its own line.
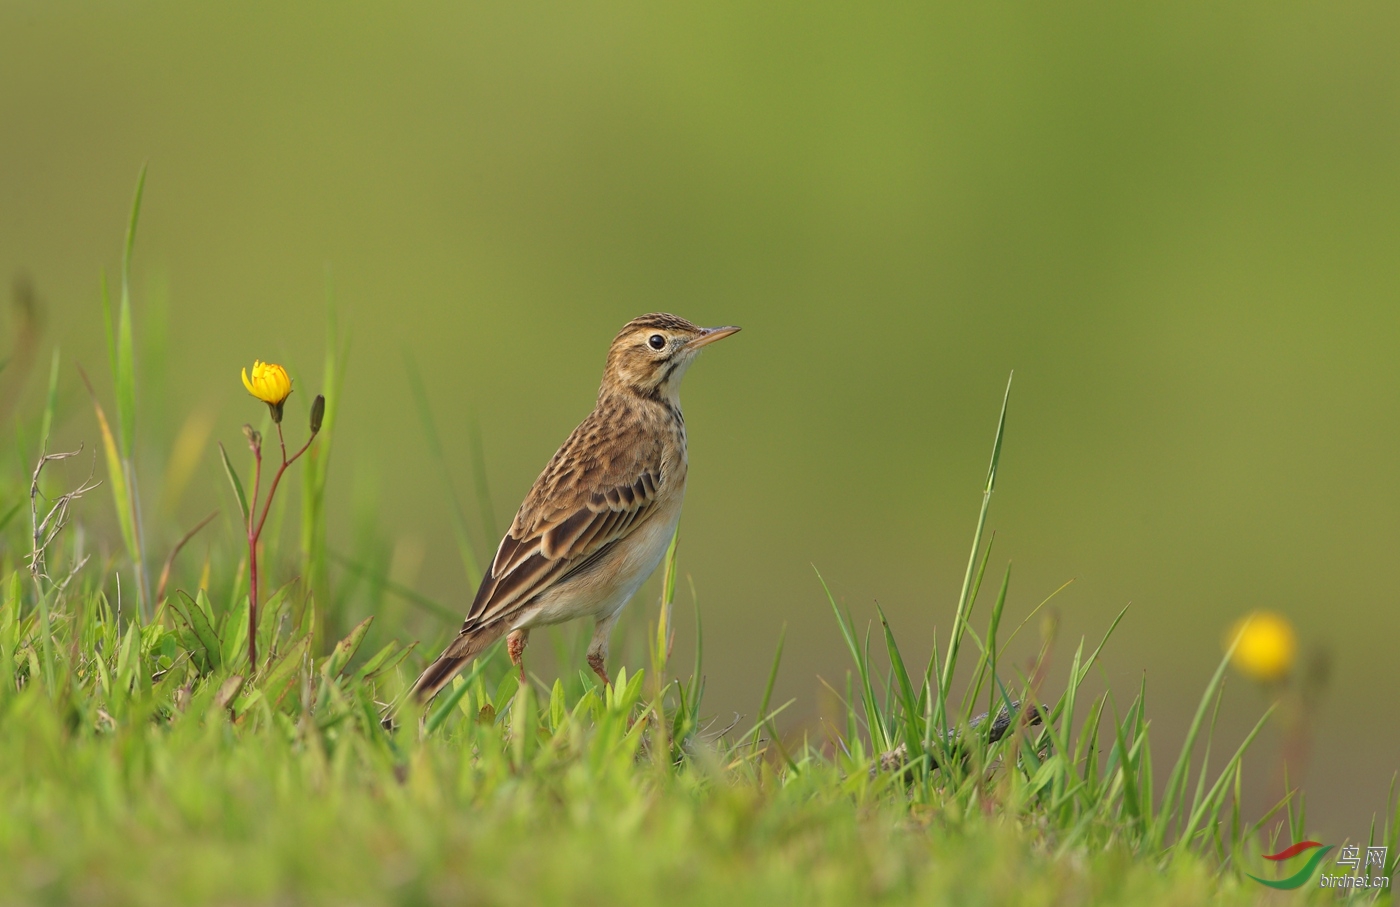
<point>272,489</point>
<point>254,534</point>
<point>253,565</point>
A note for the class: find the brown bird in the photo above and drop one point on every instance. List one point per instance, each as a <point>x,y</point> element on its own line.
<point>598,519</point>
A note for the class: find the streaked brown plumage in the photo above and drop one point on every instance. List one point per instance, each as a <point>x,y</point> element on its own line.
<point>597,520</point>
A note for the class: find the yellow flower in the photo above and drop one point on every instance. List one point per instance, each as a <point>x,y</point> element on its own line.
<point>270,384</point>
<point>1266,646</point>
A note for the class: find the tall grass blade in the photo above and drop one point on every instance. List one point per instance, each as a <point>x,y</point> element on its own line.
<point>116,472</point>
<point>1122,760</point>
<point>988,659</point>
<point>768,687</point>
<point>960,616</point>
<point>10,515</point>
<point>697,677</point>
<point>1174,791</point>
<point>665,627</point>
<point>122,359</point>
<point>1036,610</point>
<point>316,474</point>
<point>404,592</point>
<point>471,563</point>
<point>1205,757</point>
<point>124,366</point>
<point>50,403</point>
<point>1211,805</point>
<point>484,507</point>
<point>908,699</point>
<point>872,711</point>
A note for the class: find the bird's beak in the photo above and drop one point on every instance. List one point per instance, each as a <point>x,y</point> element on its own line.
<point>710,335</point>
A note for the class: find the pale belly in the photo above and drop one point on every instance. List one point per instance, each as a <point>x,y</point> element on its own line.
<point>603,590</point>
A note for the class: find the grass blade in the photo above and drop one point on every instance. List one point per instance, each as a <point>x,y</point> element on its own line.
<point>399,589</point>
<point>483,488</point>
<point>1174,791</point>
<point>960,616</point>
<point>697,679</point>
<point>124,365</point>
<point>768,688</point>
<point>1213,799</point>
<point>907,698</point>
<point>665,627</point>
<point>471,563</point>
<point>50,403</point>
<point>316,472</point>
<point>116,473</point>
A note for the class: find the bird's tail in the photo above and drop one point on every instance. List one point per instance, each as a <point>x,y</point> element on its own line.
<point>455,657</point>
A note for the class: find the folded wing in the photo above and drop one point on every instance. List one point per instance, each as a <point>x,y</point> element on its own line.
<point>591,505</point>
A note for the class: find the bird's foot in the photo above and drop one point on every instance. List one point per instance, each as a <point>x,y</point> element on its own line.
<point>596,662</point>
<point>515,648</point>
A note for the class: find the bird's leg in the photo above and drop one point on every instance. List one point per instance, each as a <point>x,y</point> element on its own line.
<point>598,648</point>
<point>515,647</point>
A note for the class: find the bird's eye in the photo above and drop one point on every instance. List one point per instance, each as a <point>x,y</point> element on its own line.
<point>656,341</point>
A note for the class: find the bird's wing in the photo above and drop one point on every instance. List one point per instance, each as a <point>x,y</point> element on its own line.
<point>587,498</point>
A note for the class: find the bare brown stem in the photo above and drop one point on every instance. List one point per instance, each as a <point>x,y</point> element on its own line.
<point>170,559</point>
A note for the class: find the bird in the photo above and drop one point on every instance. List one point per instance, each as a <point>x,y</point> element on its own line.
<point>599,518</point>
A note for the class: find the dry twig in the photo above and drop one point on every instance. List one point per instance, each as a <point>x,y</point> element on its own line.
<point>46,530</point>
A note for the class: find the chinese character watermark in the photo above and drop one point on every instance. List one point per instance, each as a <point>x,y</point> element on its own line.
<point>1360,875</point>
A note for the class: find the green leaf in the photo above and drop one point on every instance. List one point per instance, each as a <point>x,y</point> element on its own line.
<point>383,660</point>
<point>128,658</point>
<point>198,621</point>
<point>237,485</point>
<point>284,669</point>
<point>234,633</point>
<point>505,692</point>
<point>346,648</point>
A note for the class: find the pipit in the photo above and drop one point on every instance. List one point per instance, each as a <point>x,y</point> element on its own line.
<point>598,519</point>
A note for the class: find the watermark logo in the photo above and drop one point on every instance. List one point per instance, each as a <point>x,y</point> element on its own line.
<point>1350,856</point>
<point>1302,876</point>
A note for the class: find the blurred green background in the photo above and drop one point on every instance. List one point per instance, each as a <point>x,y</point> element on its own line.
<point>1176,222</point>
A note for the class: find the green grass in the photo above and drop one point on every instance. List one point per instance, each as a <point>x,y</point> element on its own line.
<point>139,761</point>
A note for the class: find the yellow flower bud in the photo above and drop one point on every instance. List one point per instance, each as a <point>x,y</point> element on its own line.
<point>1266,648</point>
<point>270,384</point>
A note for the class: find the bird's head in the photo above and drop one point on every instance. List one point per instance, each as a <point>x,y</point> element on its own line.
<point>651,353</point>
